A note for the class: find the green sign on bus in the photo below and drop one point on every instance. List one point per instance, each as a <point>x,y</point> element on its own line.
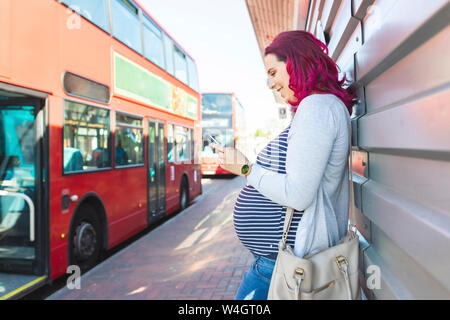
<point>133,81</point>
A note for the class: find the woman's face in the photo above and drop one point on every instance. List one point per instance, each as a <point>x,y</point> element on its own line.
<point>278,77</point>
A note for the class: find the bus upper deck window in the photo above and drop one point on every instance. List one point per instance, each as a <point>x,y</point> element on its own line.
<point>78,86</point>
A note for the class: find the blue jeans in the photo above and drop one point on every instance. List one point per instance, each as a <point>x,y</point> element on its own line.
<point>256,282</point>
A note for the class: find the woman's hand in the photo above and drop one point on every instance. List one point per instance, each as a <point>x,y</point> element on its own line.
<point>231,159</point>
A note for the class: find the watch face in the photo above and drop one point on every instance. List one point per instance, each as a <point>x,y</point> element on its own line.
<point>244,169</point>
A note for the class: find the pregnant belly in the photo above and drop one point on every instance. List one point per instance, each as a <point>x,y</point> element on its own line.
<point>257,220</point>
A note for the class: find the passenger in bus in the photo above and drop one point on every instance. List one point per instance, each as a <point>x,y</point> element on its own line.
<point>305,167</point>
<point>100,158</point>
<point>73,160</point>
<point>121,154</point>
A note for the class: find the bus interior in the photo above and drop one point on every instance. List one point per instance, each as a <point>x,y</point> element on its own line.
<point>22,263</point>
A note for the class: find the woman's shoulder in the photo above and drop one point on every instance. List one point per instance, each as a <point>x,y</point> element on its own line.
<point>314,106</point>
<point>322,101</point>
<point>321,106</point>
<point>319,112</point>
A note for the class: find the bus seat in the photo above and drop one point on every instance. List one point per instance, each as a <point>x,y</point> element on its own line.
<point>73,160</point>
<point>14,217</point>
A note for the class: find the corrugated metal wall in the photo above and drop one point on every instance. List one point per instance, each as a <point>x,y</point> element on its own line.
<point>399,51</point>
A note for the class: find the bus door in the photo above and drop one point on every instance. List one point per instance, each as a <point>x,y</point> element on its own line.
<point>156,170</point>
<point>22,236</point>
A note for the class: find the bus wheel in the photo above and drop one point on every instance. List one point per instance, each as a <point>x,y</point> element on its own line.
<point>184,194</point>
<point>85,238</point>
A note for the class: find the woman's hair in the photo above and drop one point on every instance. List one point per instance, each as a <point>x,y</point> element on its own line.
<point>309,67</point>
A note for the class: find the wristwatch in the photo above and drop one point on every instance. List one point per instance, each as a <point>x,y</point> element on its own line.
<point>244,170</point>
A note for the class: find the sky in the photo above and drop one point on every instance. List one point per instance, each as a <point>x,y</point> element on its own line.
<point>219,36</point>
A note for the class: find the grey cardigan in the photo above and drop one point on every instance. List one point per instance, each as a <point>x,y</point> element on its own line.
<point>317,177</point>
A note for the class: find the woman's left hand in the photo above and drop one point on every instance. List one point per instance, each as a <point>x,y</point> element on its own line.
<point>230,159</point>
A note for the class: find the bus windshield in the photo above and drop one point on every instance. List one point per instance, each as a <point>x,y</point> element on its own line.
<point>216,103</point>
<point>223,136</point>
<point>217,121</point>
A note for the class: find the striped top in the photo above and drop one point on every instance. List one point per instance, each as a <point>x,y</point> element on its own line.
<point>258,221</point>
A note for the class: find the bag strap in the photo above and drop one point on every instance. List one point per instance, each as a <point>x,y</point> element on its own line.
<point>290,211</point>
<point>287,224</point>
<point>350,177</point>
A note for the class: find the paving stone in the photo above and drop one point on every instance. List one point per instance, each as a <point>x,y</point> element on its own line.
<point>172,261</point>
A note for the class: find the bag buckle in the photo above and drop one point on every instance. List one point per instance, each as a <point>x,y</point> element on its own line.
<point>299,271</point>
<point>353,229</point>
<point>298,275</point>
<point>342,264</point>
<point>340,260</point>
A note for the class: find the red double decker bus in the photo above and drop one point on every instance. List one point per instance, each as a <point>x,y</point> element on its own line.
<point>223,118</point>
<point>99,132</point>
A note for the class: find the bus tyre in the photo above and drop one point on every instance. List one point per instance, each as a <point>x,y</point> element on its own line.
<point>85,238</point>
<point>184,194</point>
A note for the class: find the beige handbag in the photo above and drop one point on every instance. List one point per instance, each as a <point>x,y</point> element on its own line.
<point>331,274</point>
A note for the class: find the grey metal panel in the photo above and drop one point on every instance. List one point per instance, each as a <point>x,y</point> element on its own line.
<point>414,280</point>
<point>312,8</point>
<point>329,13</point>
<point>358,110</point>
<point>359,8</point>
<point>362,222</point>
<point>360,163</point>
<point>363,246</point>
<point>359,178</point>
<point>426,68</point>
<point>358,181</point>
<point>394,29</point>
<point>418,179</point>
<point>412,128</point>
<point>421,232</point>
<point>347,71</point>
<point>316,14</point>
<point>319,32</point>
<point>342,29</point>
<point>352,45</point>
<point>390,287</point>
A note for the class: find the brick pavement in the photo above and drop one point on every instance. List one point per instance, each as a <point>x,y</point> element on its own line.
<point>195,255</point>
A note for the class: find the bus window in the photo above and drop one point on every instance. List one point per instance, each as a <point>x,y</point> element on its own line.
<point>128,140</point>
<point>170,144</point>
<point>126,26</point>
<point>180,65</point>
<point>182,146</point>
<point>78,86</point>
<point>94,11</point>
<point>86,137</point>
<point>168,53</point>
<point>153,45</point>
<point>193,77</point>
<point>216,103</point>
<point>191,136</point>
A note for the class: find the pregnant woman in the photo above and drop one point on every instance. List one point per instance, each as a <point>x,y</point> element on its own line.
<point>305,167</point>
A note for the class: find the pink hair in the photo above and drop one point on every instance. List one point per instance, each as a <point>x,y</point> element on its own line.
<point>309,67</point>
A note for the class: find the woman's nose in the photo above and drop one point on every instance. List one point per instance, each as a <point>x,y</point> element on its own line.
<point>270,84</point>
